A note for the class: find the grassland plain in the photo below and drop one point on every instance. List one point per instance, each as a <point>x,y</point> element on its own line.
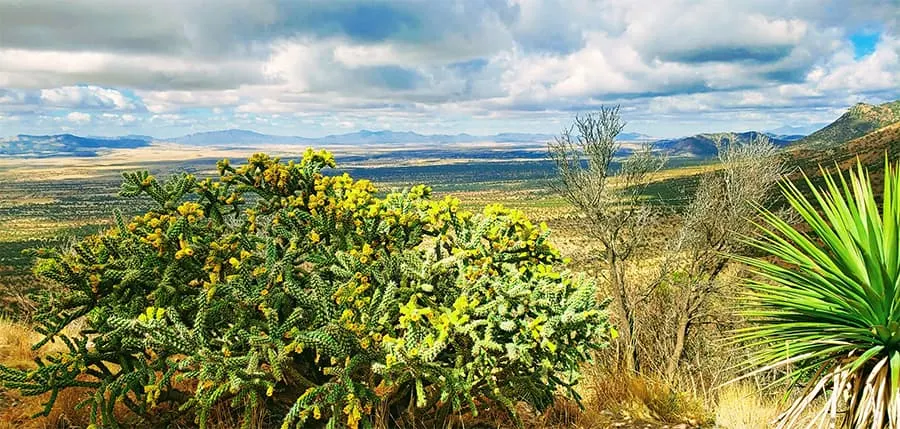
<point>45,202</point>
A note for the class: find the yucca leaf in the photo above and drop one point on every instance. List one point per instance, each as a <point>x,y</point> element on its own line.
<point>828,301</point>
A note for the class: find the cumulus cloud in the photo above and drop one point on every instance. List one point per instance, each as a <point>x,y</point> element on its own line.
<point>78,117</point>
<point>86,97</point>
<point>52,68</point>
<point>458,62</point>
<point>879,71</point>
<point>12,97</point>
<point>168,101</point>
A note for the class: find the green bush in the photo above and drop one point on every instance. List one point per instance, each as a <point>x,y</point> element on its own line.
<point>276,286</point>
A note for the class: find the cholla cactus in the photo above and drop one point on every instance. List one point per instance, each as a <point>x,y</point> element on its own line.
<point>275,285</point>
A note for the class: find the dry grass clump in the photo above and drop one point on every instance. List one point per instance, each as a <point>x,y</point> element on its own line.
<point>15,302</point>
<point>16,410</point>
<point>15,344</point>
<point>643,398</point>
<point>745,406</point>
<point>740,406</point>
<point>565,413</point>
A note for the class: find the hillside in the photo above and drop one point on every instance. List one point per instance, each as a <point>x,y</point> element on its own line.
<point>870,149</point>
<point>859,120</point>
<point>704,145</point>
<point>64,145</point>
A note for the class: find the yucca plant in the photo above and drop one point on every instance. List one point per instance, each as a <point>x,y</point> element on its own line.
<point>826,302</point>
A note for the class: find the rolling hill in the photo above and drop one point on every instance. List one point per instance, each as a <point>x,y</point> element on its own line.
<point>704,145</point>
<point>806,157</point>
<point>865,132</point>
<point>870,149</point>
<point>233,137</point>
<point>859,120</point>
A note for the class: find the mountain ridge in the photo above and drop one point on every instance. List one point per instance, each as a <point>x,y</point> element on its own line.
<point>859,120</point>
<point>700,145</point>
<point>41,146</point>
<point>705,145</point>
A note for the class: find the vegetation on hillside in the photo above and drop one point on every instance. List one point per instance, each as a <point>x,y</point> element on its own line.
<point>283,292</point>
<point>869,149</point>
<point>860,120</point>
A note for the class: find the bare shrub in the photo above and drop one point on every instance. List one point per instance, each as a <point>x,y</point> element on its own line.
<point>721,213</point>
<point>610,198</point>
<point>668,272</point>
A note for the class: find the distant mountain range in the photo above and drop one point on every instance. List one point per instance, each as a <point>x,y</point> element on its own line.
<point>70,145</point>
<point>858,121</point>
<point>635,137</point>
<point>233,137</point>
<point>796,130</point>
<point>65,145</point>
<point>701,145</point>
<point>364,137</point>
<point>785,137</point>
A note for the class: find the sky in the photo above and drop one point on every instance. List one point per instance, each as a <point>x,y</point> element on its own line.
<point>316,67</point>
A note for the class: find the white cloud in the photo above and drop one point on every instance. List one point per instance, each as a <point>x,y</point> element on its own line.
<point>267,105</point>
<point>119,119</point>
<point>877,71</point>
<point>78,117</point>
<point>86,97</point>
<point>441,62</point>
<point>12,97</point>
<point>53,68</point>
<point>169,101</point>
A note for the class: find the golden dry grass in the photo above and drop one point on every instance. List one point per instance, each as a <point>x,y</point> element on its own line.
<point>15,344</point>
<point>643,398</point>
<point>740,406</point>
<point>15,409</point>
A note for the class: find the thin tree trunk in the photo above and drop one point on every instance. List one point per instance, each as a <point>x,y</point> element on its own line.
<point>681,333</point>
<point>628,337</point>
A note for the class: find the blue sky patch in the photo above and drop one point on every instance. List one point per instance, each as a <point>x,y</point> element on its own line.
<point>864,42</point>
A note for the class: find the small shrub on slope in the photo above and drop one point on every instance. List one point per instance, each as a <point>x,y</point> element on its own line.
<point>276,286</point>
